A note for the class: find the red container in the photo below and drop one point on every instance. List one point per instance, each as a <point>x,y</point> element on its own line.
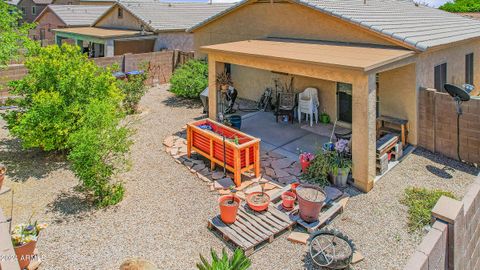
<point>228,213</point>
<point>288,199</point>
<point>305,163</point>
<point>25,254</point>
<point>293,187</point>
<point>310,206</point>
<point>260,206</point>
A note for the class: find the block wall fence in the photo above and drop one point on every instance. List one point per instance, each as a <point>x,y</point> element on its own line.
<point>454,241</point>
<point>437,125</point>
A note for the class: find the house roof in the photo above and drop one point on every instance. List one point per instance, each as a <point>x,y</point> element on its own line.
<point>43,2</point>
<point>101,32</point>
<point>76,15</point>
<point>414,25</point>
<point>353,56</point>
<point>172,16</point>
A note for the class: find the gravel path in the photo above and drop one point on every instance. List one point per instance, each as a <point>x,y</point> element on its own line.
<point>164,213</point>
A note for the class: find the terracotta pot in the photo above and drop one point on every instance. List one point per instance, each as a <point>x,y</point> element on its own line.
<point>293,187</point>
<point>310,206</point>
<point>228,213</point>
<point>25,253</point>
<point>288,200</point>
<point>257,207</point>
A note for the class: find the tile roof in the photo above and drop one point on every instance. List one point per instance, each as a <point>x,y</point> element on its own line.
<point>414,25</point>
<point>172,16</point>
<point>43,2</point>
<point>77,15</point>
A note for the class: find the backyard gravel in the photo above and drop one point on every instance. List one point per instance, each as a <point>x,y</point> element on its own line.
<point>164,214</point>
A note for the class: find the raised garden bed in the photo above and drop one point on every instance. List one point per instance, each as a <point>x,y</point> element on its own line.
<point>242,151</point>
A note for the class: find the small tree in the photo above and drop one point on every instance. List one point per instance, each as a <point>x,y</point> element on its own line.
<point>190,79</point>
<point>133,90</point>
<point>13,34</point>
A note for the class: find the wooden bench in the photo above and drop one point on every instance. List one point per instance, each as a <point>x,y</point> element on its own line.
<point>402,130</point>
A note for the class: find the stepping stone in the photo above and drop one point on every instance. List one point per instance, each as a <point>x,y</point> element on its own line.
<point>217,175</point>
<point>294,170</point>
<point>198,167</point>
<point>281,163</point>
<point>357,257</point>
<point>187,163</point>
<point>223,183</point>
<point>174,151</point>
<point>332,193</point>
<point>269,186</point>
<point>244,185</point>
<point>298,237</point>
<point>281,173</point>
<point>270,172</point>
<point>169,141</point>
<point>198,161</point>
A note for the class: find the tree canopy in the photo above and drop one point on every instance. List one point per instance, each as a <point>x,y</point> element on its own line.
<point>13,34</point>
<point>462,6</point>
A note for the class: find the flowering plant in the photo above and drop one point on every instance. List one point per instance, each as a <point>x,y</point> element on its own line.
<point>307,156</point>
<point>25,233</point>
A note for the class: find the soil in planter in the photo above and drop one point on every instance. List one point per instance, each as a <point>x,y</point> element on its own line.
<point>259,199</point>
<point>310,194</point>
<point>229,203</point>
<point>286,197</point>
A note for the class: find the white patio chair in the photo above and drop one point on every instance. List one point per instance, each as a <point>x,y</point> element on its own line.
<point>308,104</point>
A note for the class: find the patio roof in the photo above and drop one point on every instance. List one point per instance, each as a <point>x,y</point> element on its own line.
<point>101,33</point>
<point>345,55</point>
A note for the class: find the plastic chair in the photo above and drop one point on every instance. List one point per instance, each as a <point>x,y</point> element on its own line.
<point>308,104</point>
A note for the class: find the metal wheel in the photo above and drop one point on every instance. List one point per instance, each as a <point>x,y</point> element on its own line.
<point>331,249</point>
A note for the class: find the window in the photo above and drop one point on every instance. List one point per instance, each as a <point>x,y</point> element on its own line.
<point>469,68</point>
<point>440,76</point>
<point>34,10</point>
<point>120,13</point>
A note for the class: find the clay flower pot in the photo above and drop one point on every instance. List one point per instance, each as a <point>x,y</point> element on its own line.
<point>25,253</point>
<point>288,200</point>
<point>228,210</point>
<point>311,199</point>
<point>258,202</point>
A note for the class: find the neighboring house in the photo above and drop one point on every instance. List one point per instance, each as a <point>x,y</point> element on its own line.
<point>367,58</point>
<point>32,8</point>
<point>62,16</point>
<point>138,27</point>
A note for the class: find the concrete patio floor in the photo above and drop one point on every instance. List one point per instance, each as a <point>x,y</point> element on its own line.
<point>282,138</point>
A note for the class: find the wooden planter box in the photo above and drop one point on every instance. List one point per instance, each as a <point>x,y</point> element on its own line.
<point>241,157</point>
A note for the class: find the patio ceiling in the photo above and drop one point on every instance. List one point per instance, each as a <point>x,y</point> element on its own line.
<point>343,55</point>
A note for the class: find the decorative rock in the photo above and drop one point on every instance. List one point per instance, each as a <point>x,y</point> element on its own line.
<point>203,178</point>
<point>179,161</point>
<point>217,175</point>
<point>198,167</point>
<point>299,237</point>
<point>357,257</point>
<point>343,201</point>
<point>281,163</point>
<point>223,183</point>
<point>224,192</point>
<point>187,163</point>
<point>269,186</point>
<point>281,173</point>
<point>174,151</point>
<point>169,141</point>
<point>332,193</point>
<point>198,161</point>
<point>270,172</point>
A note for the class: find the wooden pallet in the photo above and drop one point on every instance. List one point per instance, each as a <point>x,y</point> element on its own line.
<point>252,230</point>
<point>325,216</point>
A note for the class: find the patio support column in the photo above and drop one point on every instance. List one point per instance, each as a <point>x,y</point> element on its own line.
<point>109,48</point>
<point>364,132</point>
<point>214,68</point>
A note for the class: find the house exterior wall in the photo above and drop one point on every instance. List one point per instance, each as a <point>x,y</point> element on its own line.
<point>182,41</point>
<point>111,20</point>
<point>26,7</point>
<point>133,46</point>
<point>47,22</point>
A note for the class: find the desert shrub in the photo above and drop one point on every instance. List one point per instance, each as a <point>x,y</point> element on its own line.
<point>133,90</point>
<point>238,261</point>
<point>420,202</point>
<point>99,150</point>
<point>462,6</point>
<point>60,84</point>
<point>190,79</point>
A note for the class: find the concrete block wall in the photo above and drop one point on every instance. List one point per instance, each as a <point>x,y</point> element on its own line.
<point>438,125</point>
<point>454,241</point>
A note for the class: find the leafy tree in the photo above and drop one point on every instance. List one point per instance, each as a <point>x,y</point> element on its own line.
<point>190,79</point>
<point>462,6</point>
<point>133,90</point>
<point>60,84</point>
<point>13,35</point>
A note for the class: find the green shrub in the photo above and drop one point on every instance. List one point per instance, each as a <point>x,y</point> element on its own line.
<point>60,84</point>
<point>462,6</point>
<point>133,90</point>
<point>99,150</point>
<point>420,202</point>
<point>238,261</point>
<point>190,79</point>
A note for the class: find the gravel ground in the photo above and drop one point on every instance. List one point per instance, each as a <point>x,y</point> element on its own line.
<point>163,216</point>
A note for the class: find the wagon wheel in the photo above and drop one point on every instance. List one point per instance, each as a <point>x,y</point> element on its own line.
<point>331,249</point>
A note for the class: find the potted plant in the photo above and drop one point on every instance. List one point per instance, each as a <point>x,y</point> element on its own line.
<point>224,80</point>
<point>305,159</point>
<point>324,117</point>
<point>24,240</point>
<point>229,207</point>
<point>258,201</point>
<point>3,170</point>
<point>288,200</point>
<point>238,261</point>
<point>341,164</point>
<point>311,199</point>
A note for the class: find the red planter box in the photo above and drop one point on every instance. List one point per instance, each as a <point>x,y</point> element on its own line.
<point>240,157</point>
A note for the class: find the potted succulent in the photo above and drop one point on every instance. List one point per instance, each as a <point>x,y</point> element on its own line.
<point>258,201</point>
<point>229,207</point>
<point>224,80</point>
<point>341,164</point>
<point>24,240</point>
<point>3,170</point>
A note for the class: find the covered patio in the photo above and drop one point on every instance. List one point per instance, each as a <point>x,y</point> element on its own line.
<point>355,64</point>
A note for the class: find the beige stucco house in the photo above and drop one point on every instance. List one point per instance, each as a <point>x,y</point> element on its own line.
<point>142,26</point>
<point>376,54</point>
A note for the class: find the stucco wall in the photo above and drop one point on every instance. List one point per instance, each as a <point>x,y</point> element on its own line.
<point>27,5</point>
<point>397,97</point>
<point>47,22</point>
<point>111,20</point>
<point>174,41</point>
<point>133,46</point>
